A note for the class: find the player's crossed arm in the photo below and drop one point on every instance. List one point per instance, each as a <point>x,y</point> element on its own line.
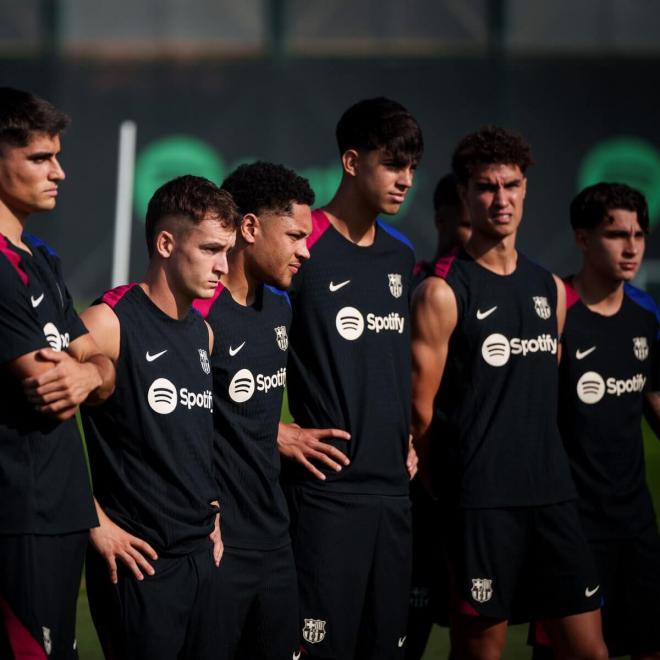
<point>434,317</point>
<point>304,445</point>
<point>561,311</point>
<point>57,382</point>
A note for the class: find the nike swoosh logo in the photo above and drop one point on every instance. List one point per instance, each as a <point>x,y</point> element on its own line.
<point>155,356</point>
<point>36,301</point>
<point>233,351</point>
<point>402,641</point>
<point>482,315</point>
<point>335,287</point>
<point>583,354</point>
<point>590,592</point>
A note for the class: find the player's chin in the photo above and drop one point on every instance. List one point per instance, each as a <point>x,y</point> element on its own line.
<point>205,291</point>
<point>390,208</point>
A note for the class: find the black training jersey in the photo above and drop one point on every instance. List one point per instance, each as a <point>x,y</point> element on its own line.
<point>349,364</point>
<point>249,376</point>
<point>496,411</point>
<point>44,485</point>
<point>607,364</point>
<point>150,443</point>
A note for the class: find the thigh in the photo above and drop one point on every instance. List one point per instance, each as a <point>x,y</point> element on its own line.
<point>333,544</point>
<point>562,574</point>
<point>234,585</point>
<point>149,617</point>
<point>271,629</point>
<point>488,550</point>
<point>383,629</point>
<point>39,584</point>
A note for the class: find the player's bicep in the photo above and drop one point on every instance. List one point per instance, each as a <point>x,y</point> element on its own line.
<point>103,326</point>
<point>211,337</point>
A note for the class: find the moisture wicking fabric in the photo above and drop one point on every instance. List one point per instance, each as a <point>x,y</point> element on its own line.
<point>249,375</point>
<point>152,471</point>
<point>496,422</point>
<point>44,486</point>
<point>359,382</point>
<point>617,359</point>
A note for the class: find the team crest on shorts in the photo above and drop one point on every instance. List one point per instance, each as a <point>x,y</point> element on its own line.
<point>204,360</point>
<point>314,630</point>
<point>542,307</point>
<point>482,589</point>
<point>396,288</point>
<point>641,348</point>
<point>281,337</point>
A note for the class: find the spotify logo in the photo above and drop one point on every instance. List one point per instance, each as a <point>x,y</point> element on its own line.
<point>162,396</point>
<point>241,387</point>
<point>590,387</point>
<point>496,350</point>
<point>350,323</point>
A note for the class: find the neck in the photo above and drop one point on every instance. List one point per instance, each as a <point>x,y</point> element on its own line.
<point>12,226</point>
<point>162,293</point>
<point>241,284</point>
<point>354,219</point>
<point>498,255</point>
<point>600,294</point>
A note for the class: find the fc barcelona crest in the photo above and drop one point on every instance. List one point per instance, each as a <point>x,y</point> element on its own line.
<point>314,630</point>
<point>282,337</point>
<point>482,589</point>
<point>396,288</point>
<point>542,307</point>
<point>641,348</point>
<point>204,361</point>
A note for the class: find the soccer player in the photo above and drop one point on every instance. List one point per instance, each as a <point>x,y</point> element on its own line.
<point>50,365</point>
<point>485,344</point>
<point>349,369</point>
<point>451,221</point>
<point>250,315</point>
<point>609,373</point>
<point>150,443</point>
<point>429,593</point>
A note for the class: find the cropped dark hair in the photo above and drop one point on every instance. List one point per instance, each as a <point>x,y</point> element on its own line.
<point>262,186</point>
<point>487,146</point>
<point>381,123</point>
<point>22,114</point>
<point>591,206</point>
<point>189,198</point>
<point>446,192</point>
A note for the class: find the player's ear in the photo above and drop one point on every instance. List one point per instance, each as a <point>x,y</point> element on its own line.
<point>249,227</point>
<point>349,161</point>
<point>164,245</point>
<point>581,239</point>
<point>524,187</point>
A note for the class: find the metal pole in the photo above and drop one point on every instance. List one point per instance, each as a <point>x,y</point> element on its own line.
<point>121,254</point>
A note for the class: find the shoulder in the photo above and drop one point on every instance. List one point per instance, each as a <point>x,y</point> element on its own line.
<point>278,296</point>
<point>204,305</point>
<point>644,301</point>
<point>320,225</point>
<point>11,266</point>
<point>436,294</point>
<point>395,234</point>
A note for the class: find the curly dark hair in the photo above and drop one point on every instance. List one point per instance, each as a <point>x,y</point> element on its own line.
<point>590,207</point>
<point>188,198</point>
<point>261,186</point>
<point>490,145</point>
<point>381,123</point>
<point>22,114</point>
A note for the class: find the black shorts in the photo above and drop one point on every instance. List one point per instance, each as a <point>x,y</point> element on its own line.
<point>353,555</point>
<point>257,604</point>
<point>39,584</point>
<point>629,571</point>
<point>520,564</point>
<point>166,616</point>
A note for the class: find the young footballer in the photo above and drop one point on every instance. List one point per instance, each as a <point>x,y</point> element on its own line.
<point>250,315</point>
<point>349,368</point>
<point>485,345</point>
<point>50,365</point>
<point>149,573</point>
<point>608,378</point>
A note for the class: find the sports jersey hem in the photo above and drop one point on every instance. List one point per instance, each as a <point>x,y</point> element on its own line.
<point>331,488</point>
<point>50,531</point>
<point>246,545</point>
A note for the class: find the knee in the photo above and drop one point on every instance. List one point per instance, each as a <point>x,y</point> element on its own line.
<point>596,651</point>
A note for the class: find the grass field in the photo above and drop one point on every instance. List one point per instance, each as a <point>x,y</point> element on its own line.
<point>438,644</point>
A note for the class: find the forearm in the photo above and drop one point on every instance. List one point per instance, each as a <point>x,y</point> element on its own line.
<point>103,372</point>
